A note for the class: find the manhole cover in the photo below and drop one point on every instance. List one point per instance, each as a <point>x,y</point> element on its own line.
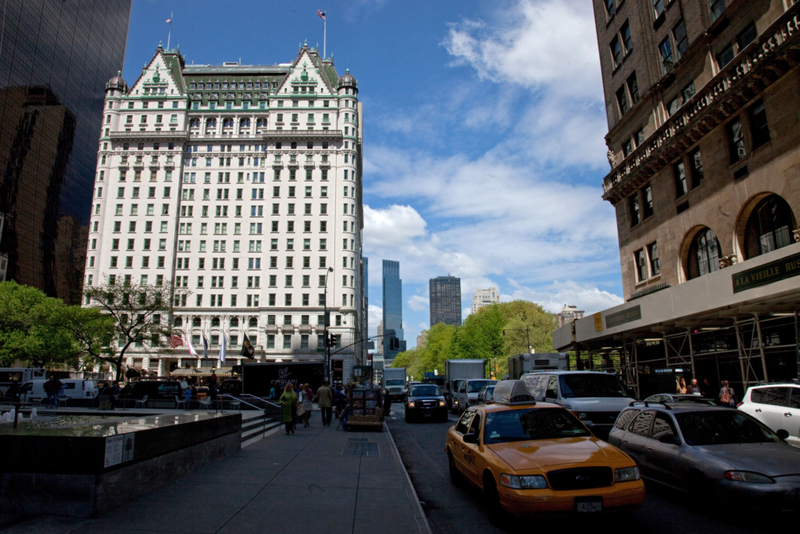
<point>361,449</point>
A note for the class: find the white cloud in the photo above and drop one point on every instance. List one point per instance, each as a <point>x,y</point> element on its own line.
<point>419,303</point>
<point>552,297</point>
<point>537,44</point>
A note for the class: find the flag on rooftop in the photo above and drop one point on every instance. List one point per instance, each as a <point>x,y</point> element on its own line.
<point>205,346</point>
<point>321,14</point>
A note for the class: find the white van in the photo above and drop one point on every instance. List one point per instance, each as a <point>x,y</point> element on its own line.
<point>595,398</point>
<point>72,388</point>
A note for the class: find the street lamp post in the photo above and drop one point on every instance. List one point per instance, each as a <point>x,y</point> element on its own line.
<point>327,355</point>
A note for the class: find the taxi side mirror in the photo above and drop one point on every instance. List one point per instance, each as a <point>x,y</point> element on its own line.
<point>471,438</point>
<point>783,434</point>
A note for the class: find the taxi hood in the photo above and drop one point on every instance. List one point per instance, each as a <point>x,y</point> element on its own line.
<point>547,453</point>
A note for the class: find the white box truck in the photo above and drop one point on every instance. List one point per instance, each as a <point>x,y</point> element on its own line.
<point>520,364</point>
<point>456,370</point>
<point>394,382</point>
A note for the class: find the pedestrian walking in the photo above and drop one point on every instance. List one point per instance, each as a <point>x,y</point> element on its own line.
<point>681,385</point>
<point>288,403</point>
<point>53,387</point>
<point>325,403</point>
<point>387,403</point>
<point>308,399</point>
<point>300,411</point>
<point>727,396</point>
<point>694,387</point>
<point>339,400</point>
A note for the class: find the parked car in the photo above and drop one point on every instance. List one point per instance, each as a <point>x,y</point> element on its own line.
<point>595,398</point>
<point>154,389</point>
<point>712,452</point>
<point>662,398</point>
<point>71,388</point>
<point>530,457</point>
<point>467,393</point>
<point>425,401</point>
<point>486,394</point>
<point>777,406</point>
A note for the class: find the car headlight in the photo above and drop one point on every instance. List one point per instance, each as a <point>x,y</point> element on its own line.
<point>410,404</point>
<point>523,482</point>
<point>442,403</point>
<point>626,474</point>
<point>748,476</point>
<point>580,415</point>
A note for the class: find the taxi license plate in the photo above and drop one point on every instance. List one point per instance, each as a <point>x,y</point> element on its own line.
<point>589,505</point>
<point>427,414</point>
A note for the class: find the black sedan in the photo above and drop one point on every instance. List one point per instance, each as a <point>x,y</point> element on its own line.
<point>425,401</point>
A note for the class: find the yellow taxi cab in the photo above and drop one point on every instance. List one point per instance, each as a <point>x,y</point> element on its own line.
<point>530,457</point>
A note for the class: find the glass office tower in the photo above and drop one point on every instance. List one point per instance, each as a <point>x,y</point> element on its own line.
<point>392,311</point>
<point>55,59</point>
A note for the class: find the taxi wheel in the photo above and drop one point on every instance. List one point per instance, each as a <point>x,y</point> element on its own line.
<point>493,499</point>
<point>455,476</point>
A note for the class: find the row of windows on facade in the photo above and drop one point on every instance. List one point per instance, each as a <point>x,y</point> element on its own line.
<point>253,301</point>
<point>219,228</point>
<point>254,245</point>
<point>671,49</point>
<point>759,135</point>
<point>213,102</point>
<point>715,7</point>
<point>255,281</point>
<point>769,227</point>
<point>252,322</point>
<point>219,263</point>
<point>233,341</point>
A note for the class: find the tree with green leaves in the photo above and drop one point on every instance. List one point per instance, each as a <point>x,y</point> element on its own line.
<point>140,314</point>
<point>34,326</point>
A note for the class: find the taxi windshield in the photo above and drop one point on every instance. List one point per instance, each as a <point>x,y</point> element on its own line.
<point>535,423</point>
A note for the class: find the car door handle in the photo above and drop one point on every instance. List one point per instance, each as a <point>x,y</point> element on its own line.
<point>787,414</point>
<point>758,410</point>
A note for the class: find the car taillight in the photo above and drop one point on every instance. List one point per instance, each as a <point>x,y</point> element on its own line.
<point>739,404</point>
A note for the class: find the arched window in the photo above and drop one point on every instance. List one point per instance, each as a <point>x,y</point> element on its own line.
<point>194,123</point>
<point>227,123</point>
<point>235,322</point>
<point>703,254</point>
<point>769,227</point>
<point>244,123</point>
<point>211,123</point>
<point>253,322</point>
<point>215,322</point>
<point>178,321</point>
<point>196,321</point>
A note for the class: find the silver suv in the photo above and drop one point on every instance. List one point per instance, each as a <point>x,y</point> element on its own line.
<point>777,406</point>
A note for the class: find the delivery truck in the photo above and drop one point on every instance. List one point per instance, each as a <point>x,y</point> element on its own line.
<point>394,382</point>
<point>520,364</point>
<point>456,370</point>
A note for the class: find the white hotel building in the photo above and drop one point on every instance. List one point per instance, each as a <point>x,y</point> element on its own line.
<point>242,184</point>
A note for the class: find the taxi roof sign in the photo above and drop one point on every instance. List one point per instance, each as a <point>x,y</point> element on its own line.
<point>512,392</point>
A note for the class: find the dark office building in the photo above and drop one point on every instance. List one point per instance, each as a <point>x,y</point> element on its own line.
<point>55,59</point>
<point>445,297</point>
<point>393,343</point>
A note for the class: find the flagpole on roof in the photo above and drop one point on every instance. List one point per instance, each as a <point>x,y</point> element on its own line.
<point>321,14</point>
<point>170,28</point>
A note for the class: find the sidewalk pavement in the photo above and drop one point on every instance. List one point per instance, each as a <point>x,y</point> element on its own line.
<point>321,479</point>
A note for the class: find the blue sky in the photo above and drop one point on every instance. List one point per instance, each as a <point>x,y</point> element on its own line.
<point>483,133</point>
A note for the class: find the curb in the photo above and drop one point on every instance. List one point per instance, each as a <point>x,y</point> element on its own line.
<point>422,519</point>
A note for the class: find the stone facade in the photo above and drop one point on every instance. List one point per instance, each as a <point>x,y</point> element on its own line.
<point>708,131</point>
<point>241,184</point>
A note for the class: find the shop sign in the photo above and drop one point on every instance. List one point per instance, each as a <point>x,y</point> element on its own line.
<point>598,322</point>
<point>624,316</point>
<point>767,273</point>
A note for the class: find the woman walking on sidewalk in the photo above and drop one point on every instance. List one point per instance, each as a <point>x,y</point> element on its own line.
<point>308,399</point>
<point>289,403</point>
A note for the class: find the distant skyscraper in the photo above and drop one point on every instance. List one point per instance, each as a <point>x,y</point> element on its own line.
<point>392,310</point>
<point>485,297</point>
<point>55,58</point>
<point>445,300</point>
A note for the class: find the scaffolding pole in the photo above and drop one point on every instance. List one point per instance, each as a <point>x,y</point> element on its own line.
<point>691,351</point>
<point>760,349</point>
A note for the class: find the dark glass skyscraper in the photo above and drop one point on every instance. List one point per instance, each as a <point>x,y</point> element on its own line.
<point>445,299</point>
<point>392,311</point>
<point>55,60</point>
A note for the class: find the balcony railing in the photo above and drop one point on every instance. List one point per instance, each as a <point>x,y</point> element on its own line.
<point>711,105</point>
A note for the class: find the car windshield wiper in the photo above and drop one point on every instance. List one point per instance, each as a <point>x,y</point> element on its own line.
<point>504,439</point>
